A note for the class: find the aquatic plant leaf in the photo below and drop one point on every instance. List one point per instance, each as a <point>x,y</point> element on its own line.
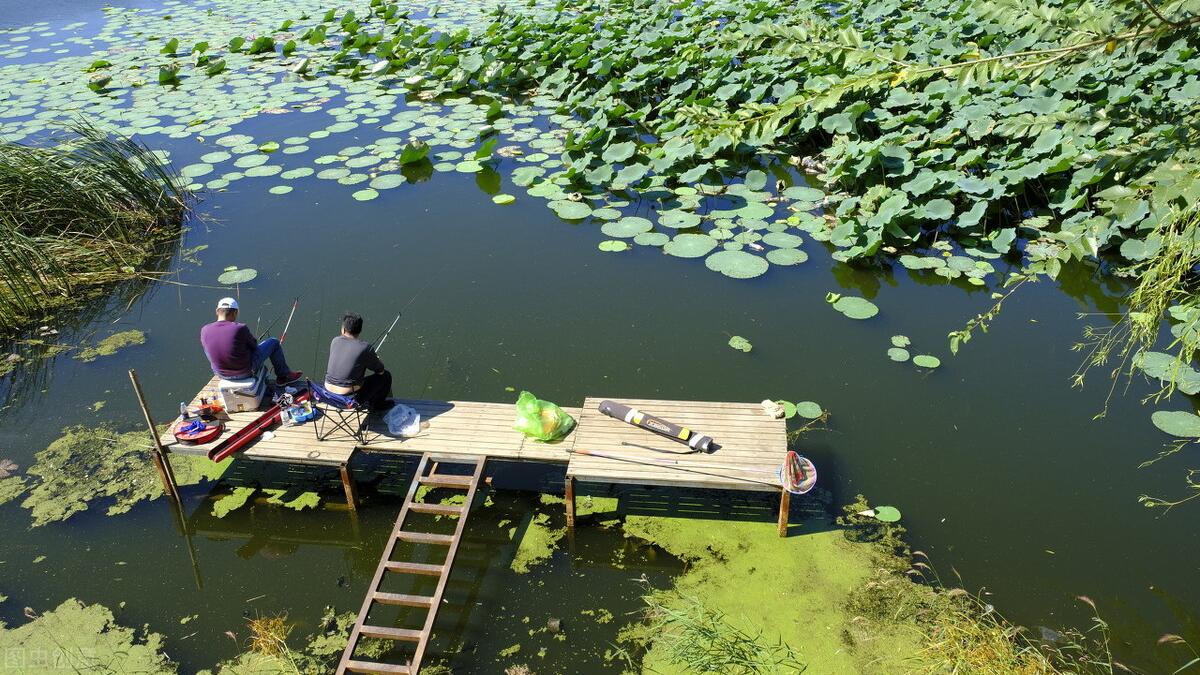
<point>900,341</point>
<point>689,245</point>
<point>629,226</point>
<point>503,199</point>
<point>898,354</point>
<point>803,193</point>
<point>619,152</point>
<point>786,256</point>
<point>413,152</point>
<point>652,239</point>
<point>855,307</point>
<point>809,409</point>
<point>613,246</point>
<point>926,361</point>
<point>737,264</point>
<point>1179,423</point>
<point>269,146</point>
<point>1166,367</point>
<point>365,195</point>
<point>740,343</point>
<point>887,514</point>
<point>237,276</point>
<point>569,210</point>
<point>678,219</point>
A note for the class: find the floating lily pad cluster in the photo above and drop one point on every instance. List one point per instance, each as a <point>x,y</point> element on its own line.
<point>899,352</point>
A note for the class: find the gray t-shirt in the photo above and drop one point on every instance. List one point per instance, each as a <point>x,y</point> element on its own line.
<point>349,360</point>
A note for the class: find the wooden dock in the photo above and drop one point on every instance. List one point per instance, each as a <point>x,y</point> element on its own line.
<point>750,445</point>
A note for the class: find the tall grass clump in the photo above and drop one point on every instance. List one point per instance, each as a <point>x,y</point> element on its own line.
<point>79,211</point>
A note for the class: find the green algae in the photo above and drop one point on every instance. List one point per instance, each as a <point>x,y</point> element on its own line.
<point>232,501</point>
<point>11,488</point>
<point>112,344</point>
<point>81,638</point>
<point>795,590</point>
<point>86,465</point>
<point>293,499</point>
<point>537,543</point>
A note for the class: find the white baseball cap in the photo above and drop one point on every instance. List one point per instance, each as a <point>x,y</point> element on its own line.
<point>227,303</point>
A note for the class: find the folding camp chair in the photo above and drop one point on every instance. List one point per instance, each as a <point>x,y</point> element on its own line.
<point>338,411</point>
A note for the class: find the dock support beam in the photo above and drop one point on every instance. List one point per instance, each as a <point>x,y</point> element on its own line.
<point>160,453</point>
<point>785,505</point>
<point>348,486</point>
<point>570,500</point>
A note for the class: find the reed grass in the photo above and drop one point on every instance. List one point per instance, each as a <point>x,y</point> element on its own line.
<point>79,211</point>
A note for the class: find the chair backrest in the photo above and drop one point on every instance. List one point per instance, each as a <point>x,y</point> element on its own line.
<point>322,395</point>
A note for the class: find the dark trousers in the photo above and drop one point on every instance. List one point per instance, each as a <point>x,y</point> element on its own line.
<point>376,390</point>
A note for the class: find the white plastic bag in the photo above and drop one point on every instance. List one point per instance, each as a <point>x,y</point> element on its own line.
<point>403,421</point>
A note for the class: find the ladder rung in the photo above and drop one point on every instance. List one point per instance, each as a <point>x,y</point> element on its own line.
<point>403,634</point>
<point>414,568</point>
<point>439,509</point>
<point>425,537</point>
<point>445,480</point>
<point>372,667</point>
<point>402,599</point>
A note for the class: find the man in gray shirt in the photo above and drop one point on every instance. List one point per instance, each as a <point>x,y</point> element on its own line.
<point>349,360</point>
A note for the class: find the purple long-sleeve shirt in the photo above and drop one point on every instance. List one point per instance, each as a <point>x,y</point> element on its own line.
<point>229,347</point>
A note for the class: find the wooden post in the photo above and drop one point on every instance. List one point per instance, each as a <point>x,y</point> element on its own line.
<point>348,485</point>
<point>785,505</point>
<point>160,453</point>
<point>570,500</point>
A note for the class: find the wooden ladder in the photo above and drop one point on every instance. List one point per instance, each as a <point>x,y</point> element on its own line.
<point>388,566</point>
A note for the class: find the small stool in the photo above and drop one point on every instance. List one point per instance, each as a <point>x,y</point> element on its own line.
<point>243,394</point>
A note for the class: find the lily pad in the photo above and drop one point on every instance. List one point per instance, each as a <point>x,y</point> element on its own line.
<point>898,354</point>
<point>1180,423</point>
<point>613,246</point>
<point>503,199</point>
<point>690,245</point>
<point>365,195</point>
<point>740,343</point>
<point>630,226</point>
<point>809,409</point>
<point>651,239</point>
<point>854,307</point>
<point>678,220</point>
<point>886,514</point>
<point>900,341</point>
<point>235,276</point>
<point>569,210</point>
<point>737,264</point>
<point>926,361</point>
<point>786,256</point>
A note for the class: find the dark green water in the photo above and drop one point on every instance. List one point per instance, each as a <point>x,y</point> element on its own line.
<point>1002,474</point>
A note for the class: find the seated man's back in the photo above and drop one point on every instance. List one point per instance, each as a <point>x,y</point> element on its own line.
<point>349,360</point>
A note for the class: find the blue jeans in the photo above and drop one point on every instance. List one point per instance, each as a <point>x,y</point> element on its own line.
<point>270,349</point>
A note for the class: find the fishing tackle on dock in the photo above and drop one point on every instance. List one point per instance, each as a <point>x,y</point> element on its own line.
<point>696,441</point>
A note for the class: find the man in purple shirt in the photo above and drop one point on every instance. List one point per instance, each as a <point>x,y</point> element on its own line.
<point>235,354</point>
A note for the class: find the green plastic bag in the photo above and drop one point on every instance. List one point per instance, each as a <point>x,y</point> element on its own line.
<point>541,419</point>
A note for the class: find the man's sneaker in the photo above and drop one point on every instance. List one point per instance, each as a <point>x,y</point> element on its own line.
<point>290,377</point>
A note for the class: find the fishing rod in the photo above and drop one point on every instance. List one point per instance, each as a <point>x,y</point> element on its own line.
<point>797,474</point>
<point>283,335</point>
<point>270,326</point>
<point>384,337</point>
